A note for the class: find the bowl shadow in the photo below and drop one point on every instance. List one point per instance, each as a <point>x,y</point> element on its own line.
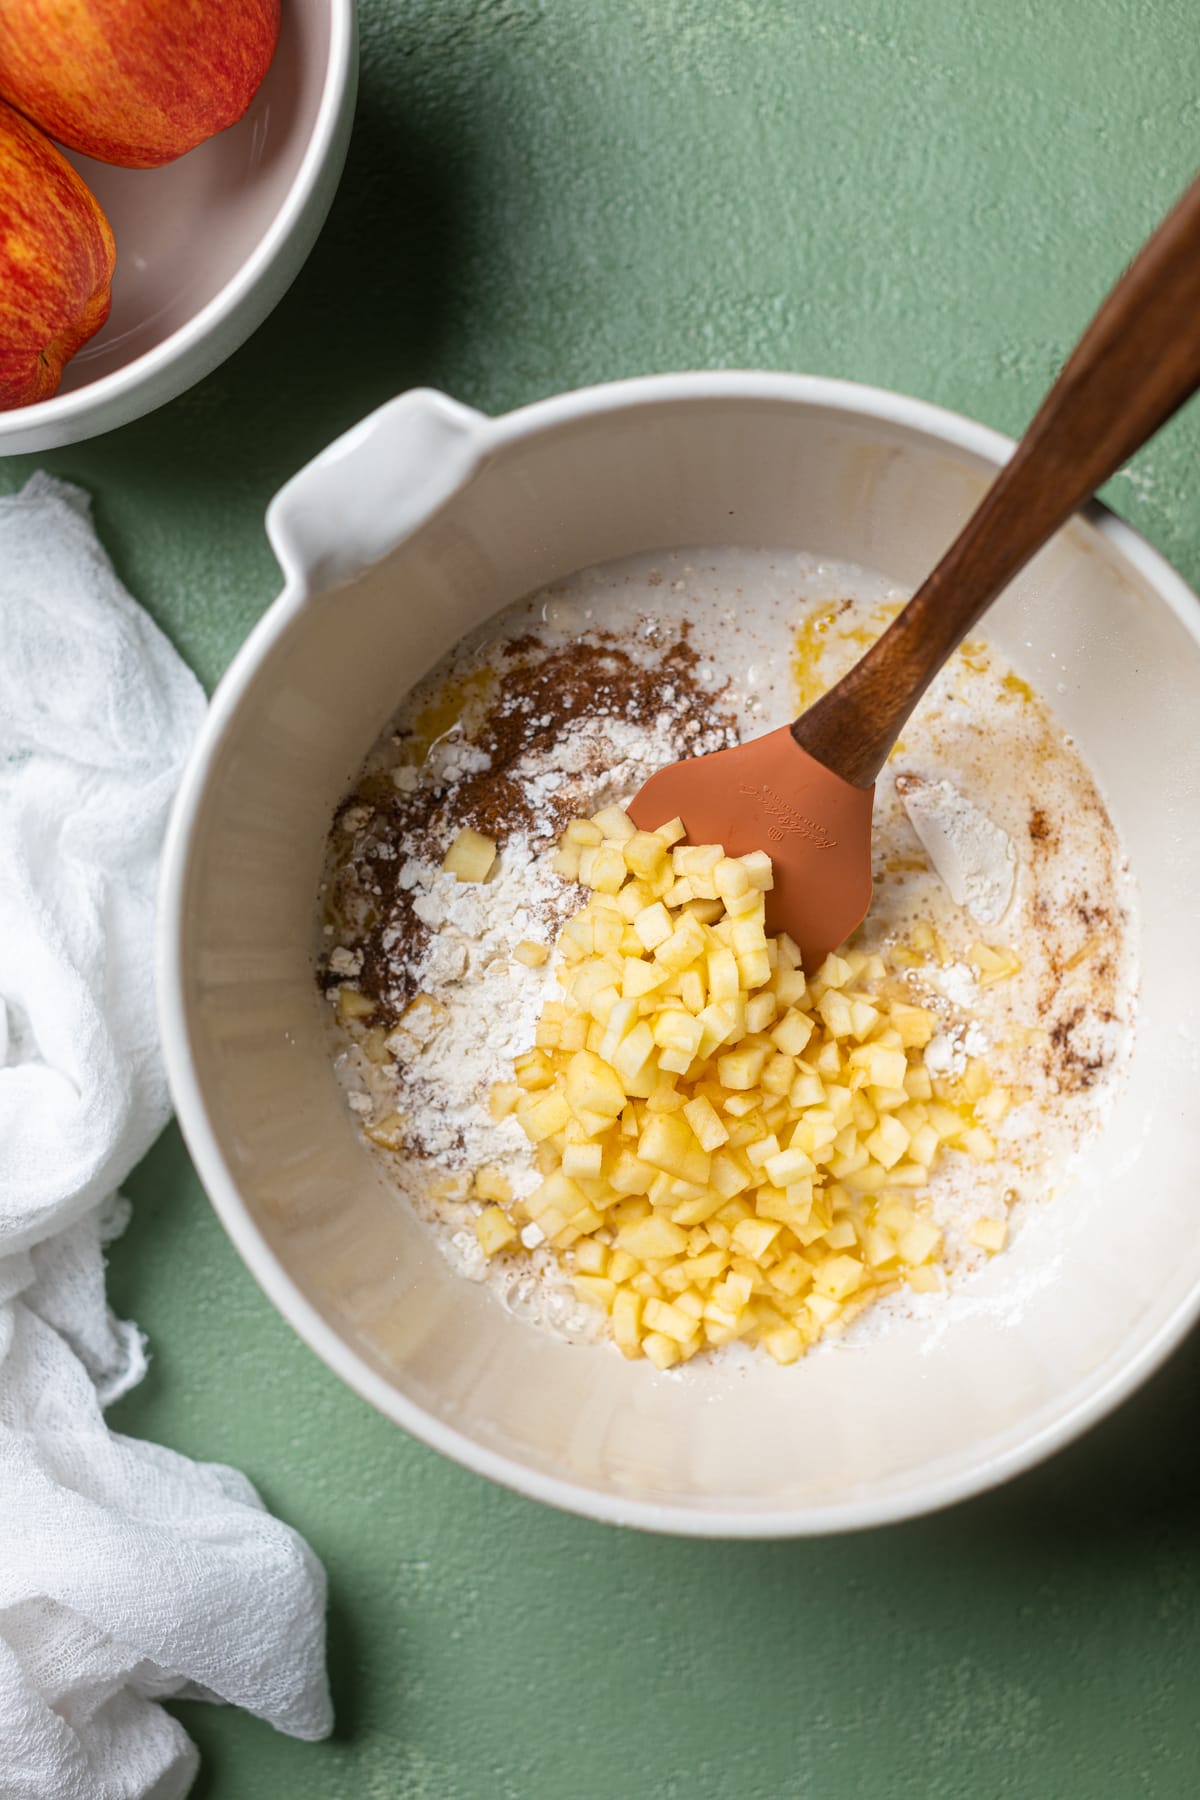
<point>365,318</point>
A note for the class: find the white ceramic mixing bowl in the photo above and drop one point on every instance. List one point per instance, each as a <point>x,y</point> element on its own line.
<point>208,244</point>
<point>402,537</point>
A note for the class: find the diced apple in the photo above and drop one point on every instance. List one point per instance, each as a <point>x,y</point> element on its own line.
<point>888,1142</point>
<point>792,1032</point>
<point>993,965</point>
<point>584,1159</point>
<point>629,1174</point>
<point>979,1143</point>
<point>722,974</point>
<point>470,856</point>
<point>626,1320</point>
<point>730,877</point>
<point>615,823</point>
<point>578,936</point>
<point>640,978</point>
<point>645,852</point>
<point>668,1143</point>
<point>692,990</point>
<point>662,1351</point>
<point>389,1132</point>
<point>784,1343</point>
<point>565,862</point>
<point>696,859</point>
<point>880,1247</point>
<point>779,1072</point>
<point>495,1231</point>
<point>836,1012</point>
<point>690,1213</point>
<point>789,1166</point>
<point>351,1004</point>
<point>653,1238</point>
<point>761,1009</point>
<point>884,1067</point>
<point>915,1024</point>
<point>758,867</point>
<point>792,1274</point>
<point>706,1123</point>
<point>596,1288</point>
<point>747,935</point>
<point>665,1096</point>
<point>834,972</point>
<point>609,933</point>
<point>561,1193</point>
<point>918,1083</point>
<point>653,925</point>
<point>541,1115</point>
<point>926,1280</point>
<point>592,1085</point>
<point>789,987</point>
<point>671,1320</point>
<point>740,1069</point>
<point>841,1235</point>
<point>622,1017</point>
<point>730,1173</point>
<point>675,1029</point>
<point>592,1257</point>
<point>823,1309</point>
<point>760,1150</point>
<point>993,1106</point>
<point>989,1234</point>
<point>684,945</point>
<point>839,1277</point>
<point>603,867</point>
<point>919,1241</point>
<point>635,895</point>
<point>491,1183</point>
<point>807,1090</point>
<point>632,1054</point>
<point>863,1019</point>
<point>755,1236</point>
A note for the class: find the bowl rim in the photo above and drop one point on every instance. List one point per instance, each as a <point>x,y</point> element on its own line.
<point>73,406</point>
<point>1112,1385</point>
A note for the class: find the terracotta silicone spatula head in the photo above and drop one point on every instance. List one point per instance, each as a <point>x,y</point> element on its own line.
<point>804,793</point>
<point>772,795</point>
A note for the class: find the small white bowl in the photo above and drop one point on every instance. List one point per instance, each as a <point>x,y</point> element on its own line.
<point>403,536</point>
<point>207,245</point>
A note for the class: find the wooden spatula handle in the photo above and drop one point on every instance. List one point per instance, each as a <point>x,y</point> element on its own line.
<point>1138,361</point>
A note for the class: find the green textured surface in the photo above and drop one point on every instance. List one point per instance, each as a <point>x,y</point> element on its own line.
<point>925,196</point>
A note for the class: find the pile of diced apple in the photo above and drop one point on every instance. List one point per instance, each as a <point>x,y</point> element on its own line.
<point>729,1150</point>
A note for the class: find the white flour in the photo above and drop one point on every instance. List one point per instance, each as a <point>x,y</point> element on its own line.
<point>487,1005</point>
<point>629,753</point>
<point>947,1052</point>
<point>970,853</point>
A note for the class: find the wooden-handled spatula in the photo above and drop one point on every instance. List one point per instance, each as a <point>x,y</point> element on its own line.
<point>805,792</point>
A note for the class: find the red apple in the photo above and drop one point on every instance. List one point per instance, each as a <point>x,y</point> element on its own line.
<point>134,82</point>
<point>56,262</point>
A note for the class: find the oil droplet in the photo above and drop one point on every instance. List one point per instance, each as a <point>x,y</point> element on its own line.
<point>1013,684</point>
<point>468,695</point>
<point>829,639</point>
